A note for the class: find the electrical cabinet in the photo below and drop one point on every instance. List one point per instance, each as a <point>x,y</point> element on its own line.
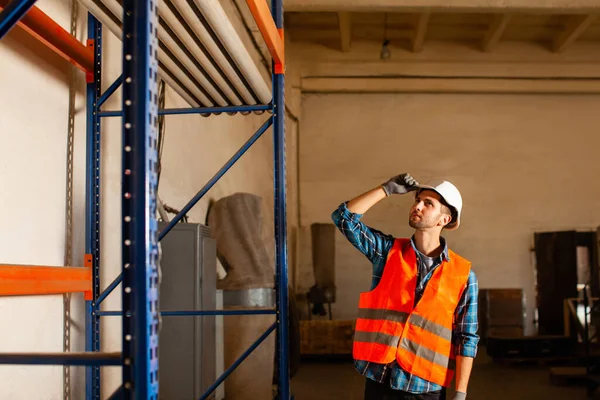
<point>187,355</point>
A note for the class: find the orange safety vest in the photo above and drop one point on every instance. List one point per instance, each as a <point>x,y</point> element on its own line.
<point>389,325</point>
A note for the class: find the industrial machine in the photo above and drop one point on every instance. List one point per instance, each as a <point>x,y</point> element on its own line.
<point>187,351</point>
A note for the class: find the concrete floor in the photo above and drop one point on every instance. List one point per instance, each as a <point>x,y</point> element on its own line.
<point>489,381</point>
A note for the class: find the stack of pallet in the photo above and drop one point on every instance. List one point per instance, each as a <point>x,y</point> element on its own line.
<point>325,337</point>
<point>501,313</point>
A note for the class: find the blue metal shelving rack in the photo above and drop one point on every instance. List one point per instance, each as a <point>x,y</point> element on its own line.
<point>139,277</point>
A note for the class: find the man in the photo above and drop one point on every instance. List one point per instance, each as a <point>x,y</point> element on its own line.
<point>418,324</point>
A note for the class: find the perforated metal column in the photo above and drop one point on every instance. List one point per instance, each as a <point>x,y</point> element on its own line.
<point>140,251</point>
<point>93,205</point>
<point>281,220</point>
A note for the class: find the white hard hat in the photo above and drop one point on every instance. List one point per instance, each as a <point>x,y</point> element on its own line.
<point>451,196</point>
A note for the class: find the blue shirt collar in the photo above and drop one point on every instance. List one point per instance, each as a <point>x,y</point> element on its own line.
<point>444,255</point>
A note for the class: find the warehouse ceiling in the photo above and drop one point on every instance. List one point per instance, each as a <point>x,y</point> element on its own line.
<point>556,29</point>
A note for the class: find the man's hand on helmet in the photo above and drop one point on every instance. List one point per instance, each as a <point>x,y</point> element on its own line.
<point>400,184</point>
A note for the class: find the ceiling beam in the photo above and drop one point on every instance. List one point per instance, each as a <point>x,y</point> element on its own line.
<point>575,26</point>
<point>420,31</point>
<point>437,69</point>
<point>471,6</point>
<point>345,21</point>
<point>420,85</point>
<point>333,34</point>
<point>494,33</point>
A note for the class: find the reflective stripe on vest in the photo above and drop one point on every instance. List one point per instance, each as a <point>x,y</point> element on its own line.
<point>430,326</point>
<point>389,326</point>
<point>424,353</point>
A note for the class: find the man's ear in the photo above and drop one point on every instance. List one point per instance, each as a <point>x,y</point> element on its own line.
<point>446,219</point>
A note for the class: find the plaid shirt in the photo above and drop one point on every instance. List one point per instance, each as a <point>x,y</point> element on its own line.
<point>375,246</point>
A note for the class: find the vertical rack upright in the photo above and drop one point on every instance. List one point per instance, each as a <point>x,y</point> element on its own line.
<point>92,200</point>
<point>139,277</point>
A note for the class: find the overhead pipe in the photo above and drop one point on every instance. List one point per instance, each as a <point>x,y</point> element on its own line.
<point>177,73</point>
<point>177,88</point>
<point>189,16</point>
<point>115,8</point>
<point>106,20</point>
<point>222,26</point>
<point>183,35</point>
<point>183,78</point>
<point>48,32</point>
<point>223,30</point>
<point>174,48</point>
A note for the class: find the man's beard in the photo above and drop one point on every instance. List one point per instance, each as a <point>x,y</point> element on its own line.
<point>420,223</point>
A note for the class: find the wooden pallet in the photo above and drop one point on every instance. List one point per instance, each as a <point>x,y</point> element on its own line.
<point>324,337</point>
<point>565,376</point>
<point>536,361</point>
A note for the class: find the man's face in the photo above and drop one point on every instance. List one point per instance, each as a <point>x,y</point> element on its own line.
<point>426,211</point>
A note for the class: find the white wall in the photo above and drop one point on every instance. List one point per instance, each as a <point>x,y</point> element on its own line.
<point>33,128</point>
<point>522,162</point>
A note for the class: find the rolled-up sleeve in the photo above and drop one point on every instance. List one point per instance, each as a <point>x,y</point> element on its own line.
<point>465,338</point>
<point>370,242</point>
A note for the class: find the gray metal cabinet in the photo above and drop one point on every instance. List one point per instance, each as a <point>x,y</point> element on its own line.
<point>187,357</point>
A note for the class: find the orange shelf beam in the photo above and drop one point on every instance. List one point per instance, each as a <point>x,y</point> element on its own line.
<point>273,37</point>
<point>21,280</point>
<point>51,34</point>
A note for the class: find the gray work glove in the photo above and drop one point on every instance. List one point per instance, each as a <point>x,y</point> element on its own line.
<point>460,396</point>
<point>400,184</point>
